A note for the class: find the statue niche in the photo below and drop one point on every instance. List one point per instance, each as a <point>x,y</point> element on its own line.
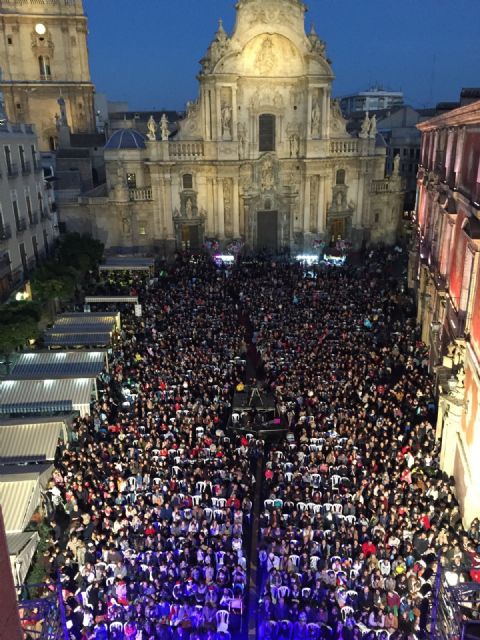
<point>269,55</point>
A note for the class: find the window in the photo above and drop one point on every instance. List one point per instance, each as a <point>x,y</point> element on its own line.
<point>142,230</point>
<point>44,66</point>
<point>34,156</point>
<point>35,248</point>
<point>29,207</point>
<point>377,217</point>
<point>9,40</point>
<point>396,152</point>
<point>8,159</point>
<point>340,178</point>
<point>187,181</point>
<point>131,180</point>
<point>266,136</point>
<point>405,152</point>
<point>21,149</point>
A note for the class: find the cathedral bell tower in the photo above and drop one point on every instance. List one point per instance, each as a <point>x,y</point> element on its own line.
<point>44,58</point>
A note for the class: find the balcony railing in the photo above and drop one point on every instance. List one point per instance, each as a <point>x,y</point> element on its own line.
<point>5,232</point>
<point>12,170</point>
<point>344,147</point>
<point>186,150</point>
<point>140,194</point>
<point>26,168</point>
<point>21,225</point>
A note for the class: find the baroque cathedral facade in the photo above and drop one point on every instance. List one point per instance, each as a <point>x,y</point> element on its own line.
<point>262,157</point>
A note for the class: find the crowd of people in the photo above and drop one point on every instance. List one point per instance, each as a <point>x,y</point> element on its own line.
<point>152,501</point>
<point>356,511</point>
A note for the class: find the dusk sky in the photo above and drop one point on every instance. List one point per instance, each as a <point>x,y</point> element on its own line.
<point>147,52</point>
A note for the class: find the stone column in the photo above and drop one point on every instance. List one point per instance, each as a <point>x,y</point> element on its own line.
<point>210,208</point>
<point>235,209</point>
<point>309,115</point>
<point>459,154</point>
<point>322,205</point>
<point>306,205</point>
<point>234,114</point>
<point>168,209</point>
<point>220,210</point>
<point>325,112</point>
<point>217,118</point>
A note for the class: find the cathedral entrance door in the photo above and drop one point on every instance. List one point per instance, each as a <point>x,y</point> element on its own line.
<point>267,231</point>
<point>337,229</point>
<point>191,236</point>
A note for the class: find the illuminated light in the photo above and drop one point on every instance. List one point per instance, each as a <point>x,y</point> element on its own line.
<point>336,261</point>
<point>40,29</point>
<point>309,259</point>
<point>31,341</point>
<point>220,258</point>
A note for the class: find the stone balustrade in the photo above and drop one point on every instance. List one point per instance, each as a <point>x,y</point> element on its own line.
<point>380,186</point>
<point>186,150</point>
<point>142,194</point>
<point>344,147</point>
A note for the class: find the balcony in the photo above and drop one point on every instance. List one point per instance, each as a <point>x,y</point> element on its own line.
<point>26,168</point>
<point>186,150</point>
<point>140,195</point>
<point>33,218</point>
<point>12,170</point>
<point>21,225</point>
<point>344,147</point>
<point>5,232</point>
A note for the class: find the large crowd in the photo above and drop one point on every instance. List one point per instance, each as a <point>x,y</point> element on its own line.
<point>152,502</point>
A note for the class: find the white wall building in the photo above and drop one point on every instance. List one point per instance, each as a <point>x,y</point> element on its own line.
<point>28,225</point>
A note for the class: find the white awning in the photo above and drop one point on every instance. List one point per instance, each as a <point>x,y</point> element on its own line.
<point>37,397</point>
<point>20,490</point>
<point>29,442</point>
<point>49,365</point>
<point>111,299</point>
<point>21,549</point>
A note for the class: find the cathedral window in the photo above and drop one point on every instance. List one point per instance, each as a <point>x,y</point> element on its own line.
<point>44,66</point>
<point>187,181</point>
<point>131,181</point>
<point>340,178</point>
<point>266,135</point>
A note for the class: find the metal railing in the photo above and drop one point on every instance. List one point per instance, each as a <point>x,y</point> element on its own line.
<point>21,225</point>
<point>5,232</point>
<point>12,170</point>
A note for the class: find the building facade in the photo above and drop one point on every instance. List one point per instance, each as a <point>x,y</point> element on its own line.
<point>44,60</point>
<point>444,270</point>
<point>28,225</point>
<point>262,156</point>
<point>375,99</point>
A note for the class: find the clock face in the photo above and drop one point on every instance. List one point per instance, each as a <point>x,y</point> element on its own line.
<point>40,29</point>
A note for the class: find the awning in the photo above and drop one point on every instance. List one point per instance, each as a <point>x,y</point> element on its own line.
<point>21,549</point>
<point>20,490</point>
<point>87,321</point>
<point>29,442</point>
<point>76,339</point>
<point>111,299</point>
<point>127,263</point>
<point>30,397</point>
<point>49,365</point>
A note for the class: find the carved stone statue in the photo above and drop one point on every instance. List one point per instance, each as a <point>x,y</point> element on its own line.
<point>294,145</point>
<point>242,139</point>
<point>365,127</point>
<point>226,120</point>
<point>267,174</point>
<point>396,165</point>
<point>316,116</point>
<point>189,207</point>
<point>151,129</point>
<point>372,129</point>
<point>164,127</point>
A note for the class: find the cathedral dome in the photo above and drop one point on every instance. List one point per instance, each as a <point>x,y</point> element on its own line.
<point>126,139</point>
